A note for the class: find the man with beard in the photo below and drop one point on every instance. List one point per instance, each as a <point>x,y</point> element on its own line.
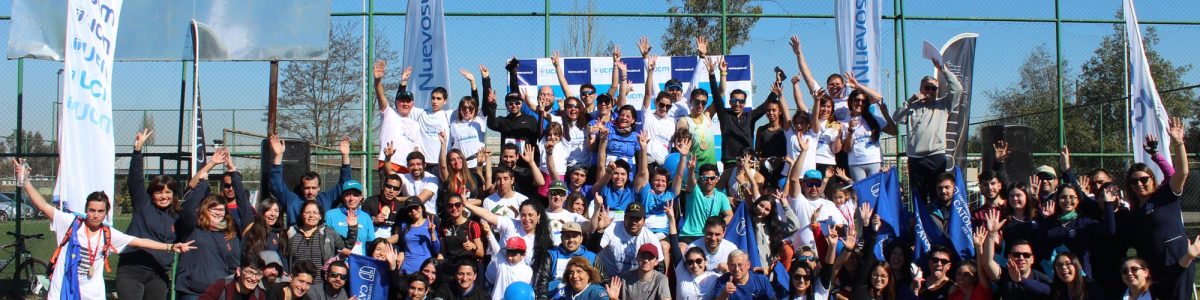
<point>334,287</point>
<point>310,183</point>
<point>617,254</point>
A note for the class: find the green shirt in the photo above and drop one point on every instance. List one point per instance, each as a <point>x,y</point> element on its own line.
<point>699,208</point>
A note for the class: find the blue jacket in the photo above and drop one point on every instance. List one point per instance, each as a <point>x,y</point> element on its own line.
<point>214,256</point>
<point>149,222</point>
<point>293,202</point>
<point>591,292</point>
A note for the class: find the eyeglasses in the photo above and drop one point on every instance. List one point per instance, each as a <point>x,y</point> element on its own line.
<point>808,258</point>
<point>698,261</point>
<point>1024,255</point>
<point>456,204</point>
<point>251,273</point>
<point>1142,180</point>
<point>928,87</point>
<point>587,92</point>
<point>216,209</point>
<point>738,100</point>
<point>941,261</point>
<point>709,178</point>
<point>467,108</point>
<point>572,105</point>
<point>1132,270</point>
<point>337,275</point>
<point>392,187</point>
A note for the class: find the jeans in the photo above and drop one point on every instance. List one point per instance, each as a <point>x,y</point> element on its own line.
<point>139,282</point>
<point>858,172</point>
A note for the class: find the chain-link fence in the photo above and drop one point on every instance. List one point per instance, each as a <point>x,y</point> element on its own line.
<point>1010,72</point>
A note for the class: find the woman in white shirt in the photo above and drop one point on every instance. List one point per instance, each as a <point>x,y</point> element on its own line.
<point>828,132</point>
<point>553,156</point>
<point>574,134</point>
<point>693,279</point>
<point>861,137</point>
<point>466,125</point>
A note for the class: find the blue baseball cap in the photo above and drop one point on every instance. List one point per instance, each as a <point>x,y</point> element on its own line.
<point>352,185</point>
<point>813,175</point>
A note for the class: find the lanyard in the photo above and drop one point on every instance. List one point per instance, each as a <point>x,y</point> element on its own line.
<point>91,254</point>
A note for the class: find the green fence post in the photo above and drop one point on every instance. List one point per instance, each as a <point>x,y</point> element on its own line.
<point>546,30</point>
<point>1062,138</point>
<point>368,85</point>
<point>19,151</point>
<point>724,27</point>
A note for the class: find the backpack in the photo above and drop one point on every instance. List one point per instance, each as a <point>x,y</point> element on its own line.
<point>71,233</point>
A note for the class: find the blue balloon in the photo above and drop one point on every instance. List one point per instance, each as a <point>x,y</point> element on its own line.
<point>671,163</point>
<point>518,291</point>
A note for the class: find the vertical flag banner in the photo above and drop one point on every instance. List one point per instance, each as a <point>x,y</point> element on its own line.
<point>740,232</point>
<point>369,277</point>
<point>199,150</point>
<point>880,190</point>
<point>1146,112</point>
<point>959,226</point>
<point>85,131</point>
<point>959,56</point>
<point>858,39</point>
<point>425,49</point>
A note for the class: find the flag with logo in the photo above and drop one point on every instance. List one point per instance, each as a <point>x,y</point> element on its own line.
<point>740,232</point>
<point>85,136</point>
<point>1147,115</point>
<point>199,152</point>
<point>858,40</point>
<point>926,236</point>
<point>958,228</point>
<point>881,192</point>
<point>368,277</point>
<point>425,49</point>
<point>959,56</point>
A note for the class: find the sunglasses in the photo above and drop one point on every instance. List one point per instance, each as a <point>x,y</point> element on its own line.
<point>1044,176</point>
<point>227,187</point>
<point>812,183</point>
<point>558,193</point>
<point>709,178</point>
<point>392,187</point>
<point>455,204</point>
<point>674,88</point>
<point>808,258</point>
<point>698,261</point>
<point>587,92</point>
<point>664,105</point>
<point>800,277</point>
<point>337,275</point>
<point>1142,180</point>
<point>1131,270</point>
<point>512,103</point>
<point>467,108</point>
<point>941,261</point>
<point>738,100</point>
<point>928,87</point>
<point>572,105</point>
<point>1025,255</point>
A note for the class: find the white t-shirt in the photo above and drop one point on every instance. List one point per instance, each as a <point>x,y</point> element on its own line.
<point>467,136</point>
<point>826,136</point>
<point>432,123</point>
<point>506,274</point>
<point>558,219</point>
<point>507,207</point>
<point>577,147</point>
<point>841,109</point>
<point>714,258</point>
<point>804,209</point>
<point>692,287</point>
<point>427,183</point>
<point>793,149</point>
<point>863,151</point>
<point>660,131</point>
<point>401,132</point>
<point>509,228</point>
<point>619,248</point>
<point>89,287</point>
<point>560,157</point>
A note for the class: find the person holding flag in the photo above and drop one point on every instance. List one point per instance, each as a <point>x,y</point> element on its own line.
<point>85,243</point>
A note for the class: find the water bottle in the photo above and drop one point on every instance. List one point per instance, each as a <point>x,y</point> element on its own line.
<point>21,173</point>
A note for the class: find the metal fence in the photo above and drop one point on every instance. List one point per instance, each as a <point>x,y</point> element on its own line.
<point>235,94</point>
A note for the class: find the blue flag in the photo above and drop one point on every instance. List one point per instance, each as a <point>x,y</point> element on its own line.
<point>927,234</point>
<point>959,227</point>
<point>881,192</point>
<point>783,282</point>
<point>369,277</point>
<point>70,270</point>
<point>740,232</point>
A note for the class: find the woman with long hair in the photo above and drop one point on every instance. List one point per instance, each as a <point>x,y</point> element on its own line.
<point>770,140</point>
<point>310,240</point>
<point>1135,273</point>
<point>861,136</point>
<point>467,126</point>
<point>462,237</point>
<point>265,235</point>
<point>418,235</point>
<point>1022,208</point>
<point>142,274</point>
<point>1154,222</point>
<point>773,217</point>
<point>969,284</point>
<point>1070,280</point>
<point>456,175</point>
<point>533,227</point>
<point>553,156</point>
<point>574,120</point>
<point>206,220</point>
<point>826,130</point>
<point>875,279</point>
<point>1065,226</point>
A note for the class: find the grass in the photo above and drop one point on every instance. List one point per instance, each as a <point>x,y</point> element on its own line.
<point>43,248</point>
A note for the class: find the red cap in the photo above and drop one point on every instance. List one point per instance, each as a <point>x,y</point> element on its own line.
<point>515,243</point>
<point>648,248</point>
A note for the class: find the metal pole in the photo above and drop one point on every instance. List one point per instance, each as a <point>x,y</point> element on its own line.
<point>368,67</point>
<point>546,30</point>
<point>1062,133</point>
<point>182,99</point>
<point>20,144</point>
<point>724,27</point>
<point>896,76</point>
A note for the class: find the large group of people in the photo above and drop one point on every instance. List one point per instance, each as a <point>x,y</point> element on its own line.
<point>595,197</point>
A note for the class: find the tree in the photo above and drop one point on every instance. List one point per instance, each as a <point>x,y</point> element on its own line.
<point>1032,101</point>
<point>320,100</point>
<point>682,31</point>
<point>584,38</point>
<point>33,143</point>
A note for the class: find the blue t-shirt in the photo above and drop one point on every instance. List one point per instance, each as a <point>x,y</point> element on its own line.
<point>656,205</point>
<point>418,246</point>
<point>758,287</point>
<point>336,219</point>
<point>623,147</point>
<point>617,199</point>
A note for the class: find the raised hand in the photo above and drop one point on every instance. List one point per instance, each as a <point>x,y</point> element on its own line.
<point>709,64</point>
<point>669,209</point>
<point>851,82</point>
<point>616,52</point>
<point>555,59</point>
<point>528,154</point>
<point>795,43</point>
<point>776,88</point>
<point>219,157</point>
<point>795,79</point>
<point>614,288</point>
<point>620,66</point>
<point>491,96</point>
<point>1151,144</point>
<point>483,71</point>
<point>183,247</point>
<point>1112,193</point>
<point>389,151</point>
<point>1175,130</point>
<point>344,146</point>
<point>992,221</point>
<point>723,65</point>
<point>1064,157</point>
<point>1001,150</point>
<point>684,145</point>
<point>644,46</point>
<point>650,62</point>
<point>1047,209</point>
<point>140,138</point>
<point>442,137</point>
<point>380,69</point>
<point>643,138</point>
<point>405,75</point>
<point>865,211</point>
<point>702,46</point>
<point>730,288</point>
<point>979,236</point>
<point>467,74</point>
<point>19,167</point>
<point>277,145</point>
<point>1193,248</point>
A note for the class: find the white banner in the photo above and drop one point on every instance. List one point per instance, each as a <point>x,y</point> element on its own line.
<point>858,40</point>
<point>425,49</point>
<point>86,150</point>
<point>1147,114</point>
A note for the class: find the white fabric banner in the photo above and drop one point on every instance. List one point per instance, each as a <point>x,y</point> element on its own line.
<point>1147,114</point>
<point>425,49</point>
<point>858,40</point>
<point>86,150</point>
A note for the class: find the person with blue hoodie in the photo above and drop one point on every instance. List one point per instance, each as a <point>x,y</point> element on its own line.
<point>310,183</point>
<point>571,247</point>
<point>350,221</point>
<point>206,220</point>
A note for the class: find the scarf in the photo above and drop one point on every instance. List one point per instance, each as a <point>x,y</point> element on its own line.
<point>1068,217</point>
<point>221,225</point>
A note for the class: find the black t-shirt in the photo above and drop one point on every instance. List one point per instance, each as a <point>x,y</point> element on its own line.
<point>939,293</point>
<point>375,204</point>
<point>455,235</point>
<point>276,292</point>
<point>1037,286</point>
<point>771,143</point>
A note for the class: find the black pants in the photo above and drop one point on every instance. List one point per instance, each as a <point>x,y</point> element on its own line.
<point>139,282</point>
<point>922,174</point>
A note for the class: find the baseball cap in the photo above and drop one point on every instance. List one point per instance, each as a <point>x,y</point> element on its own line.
<point>572,227</point>
<point>412,201</point>
<point>352,185</point>
<point>635,210</point>
<point>1046,169</point>
<point>673,83</point>
<point>512,96</point>
<point>813,175</point>
<point>648,248</point>
<point>558,185</point>
<point>515,243</point>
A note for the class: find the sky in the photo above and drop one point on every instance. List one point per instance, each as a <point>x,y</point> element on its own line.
<point>235,93</point>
